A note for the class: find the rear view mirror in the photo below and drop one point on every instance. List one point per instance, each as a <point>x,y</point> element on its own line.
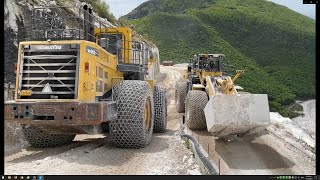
<point>104,42</point>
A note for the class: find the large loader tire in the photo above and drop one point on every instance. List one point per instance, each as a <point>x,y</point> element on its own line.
<point>115,91</point>
<point>41,139</point>
<point>194,114</point>
<point>160,109</point>
<point>180,95</point>
<point>114,96</point>
<point>134,124</point>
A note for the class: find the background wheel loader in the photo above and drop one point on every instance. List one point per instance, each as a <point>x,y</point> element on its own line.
<point>210,100</point>
<point>85,79</point>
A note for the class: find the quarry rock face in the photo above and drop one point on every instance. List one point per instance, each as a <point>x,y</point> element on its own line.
<point>17,28</point>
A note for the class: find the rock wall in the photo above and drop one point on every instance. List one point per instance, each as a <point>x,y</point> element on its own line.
<point>17,26</point>
<point>16,23</point>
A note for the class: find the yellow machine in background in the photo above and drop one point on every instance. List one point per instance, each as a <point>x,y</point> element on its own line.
<point>211,101</point>
<point>86,79</point>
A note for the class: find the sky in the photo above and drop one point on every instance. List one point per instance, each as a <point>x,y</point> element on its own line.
<point>297,5</point>
<point>123,7</point>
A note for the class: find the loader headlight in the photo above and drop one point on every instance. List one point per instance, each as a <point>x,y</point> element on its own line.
<point>26,46</point>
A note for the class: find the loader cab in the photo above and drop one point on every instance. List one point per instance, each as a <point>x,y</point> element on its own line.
<point>111,43</point>
<point>133,55</point>
<point>210,62</point>
<point>117,41</point>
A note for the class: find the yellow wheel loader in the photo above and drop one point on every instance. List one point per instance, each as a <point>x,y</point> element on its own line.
<point>210,100</point>
<point>76,75</point>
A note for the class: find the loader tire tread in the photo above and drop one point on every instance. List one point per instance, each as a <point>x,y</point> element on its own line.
<point>41,139</point>
<point>129,129</point>
<point>180,95</point>
<point>160,109</point>
<point>194,114</point>
<point>115,91</point>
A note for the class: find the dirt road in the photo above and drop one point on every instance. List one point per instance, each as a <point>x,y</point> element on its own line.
<point>94,155</point>
<point>263,154</point>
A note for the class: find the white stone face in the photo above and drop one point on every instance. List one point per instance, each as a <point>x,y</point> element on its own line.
<point>53,3</point>
<point>237,113</point>
<point>11,9</point>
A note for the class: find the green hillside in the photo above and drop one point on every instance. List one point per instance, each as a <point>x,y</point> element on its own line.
<point>273,44</point>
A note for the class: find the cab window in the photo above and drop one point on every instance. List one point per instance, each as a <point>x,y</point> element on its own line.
<point>111,43</point>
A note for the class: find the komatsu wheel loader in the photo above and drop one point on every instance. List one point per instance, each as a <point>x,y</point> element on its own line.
<point>210,100</point>
<point>76,75</point>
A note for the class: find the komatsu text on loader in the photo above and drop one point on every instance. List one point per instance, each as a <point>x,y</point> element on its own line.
<point>77,75</point>
<point>211,101</point>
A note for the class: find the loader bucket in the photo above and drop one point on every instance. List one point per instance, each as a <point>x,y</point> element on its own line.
<point>237,114</point>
